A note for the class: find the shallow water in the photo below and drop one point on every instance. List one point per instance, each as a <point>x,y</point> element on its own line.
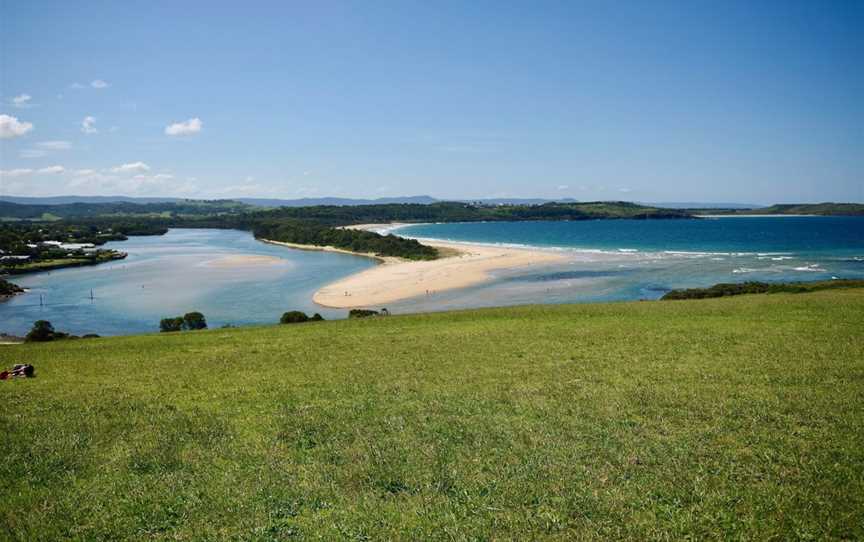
<point>225,274</point>
<point>609,260</point>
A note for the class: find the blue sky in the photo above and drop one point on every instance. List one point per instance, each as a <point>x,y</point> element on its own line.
<point>754,102</point>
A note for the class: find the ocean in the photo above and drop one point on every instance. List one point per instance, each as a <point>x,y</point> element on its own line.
<point>615,260</point>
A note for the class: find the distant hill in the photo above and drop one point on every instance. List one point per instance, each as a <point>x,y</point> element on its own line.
<point>66,200</point>
<point>822,209</point>
<point>311,202</point>
<point>827,208</point>
<point>695,207</point>
<point>258,202</point>
<point>704,205</point>
<point>421,200</point>
<point>10,211</point>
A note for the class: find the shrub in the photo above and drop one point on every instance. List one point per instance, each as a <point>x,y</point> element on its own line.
<point>167,325</point>
<point>361,313</point>
<point>9,289</point>
<point>42,331</point>
<point>316,318</point>
<point>294,317</point>
<point>753,287</point>
<point>193,321</point>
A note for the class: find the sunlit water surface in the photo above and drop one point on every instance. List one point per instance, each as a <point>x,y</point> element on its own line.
<point>226,274</point>
<point>610,260</point>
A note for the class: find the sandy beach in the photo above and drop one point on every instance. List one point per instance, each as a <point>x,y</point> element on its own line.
<point>395,279</point>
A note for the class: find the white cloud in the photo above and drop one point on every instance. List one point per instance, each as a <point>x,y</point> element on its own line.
<point>98,83</point>
<point>11,173</point>
<point>24,172</point>
<point>89,181</point>
<point>625,190</point>
<point>76,86</point>
<point>44,147</point>
<point>563,186</point>
<point>22,100</point>
<point>11,127</point>
<point>133,167</point>
<point>55,145</point>
<point>88,125</point>
<point>189,127</point>
<point>248,188</point>
<point>157,177</point>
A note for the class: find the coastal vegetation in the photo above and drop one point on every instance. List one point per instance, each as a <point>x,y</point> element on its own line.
<point>366,242</point>
<point>341,215</point>
<point>52,262</point>
<point>299,317</point>
<point>8,289</point>
<point>822,209</point>
<point>11,212</point>
<point>730,418</point>
<point>754,287</point>
<point>361,313</point>
<point>28,247</point>
<point>191,321</point>
<point>43,331</point>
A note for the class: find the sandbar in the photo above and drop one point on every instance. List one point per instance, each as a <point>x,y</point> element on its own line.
<point>395,279</point>
<point>244,260</point>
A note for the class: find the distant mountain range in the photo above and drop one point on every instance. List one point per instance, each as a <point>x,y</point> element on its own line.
<point>64,200</point>
<point>307,202</point>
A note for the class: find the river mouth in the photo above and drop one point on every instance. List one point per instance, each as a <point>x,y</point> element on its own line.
<point>226,274</point>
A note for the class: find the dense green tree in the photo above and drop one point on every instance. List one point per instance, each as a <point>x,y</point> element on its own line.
<point>361,313</point>
<point>167,325</point>
<point>194,321</point>
<point>42,331</point>
<point>294,317</point>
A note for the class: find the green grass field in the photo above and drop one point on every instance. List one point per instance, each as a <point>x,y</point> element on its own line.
<point>733,418</point>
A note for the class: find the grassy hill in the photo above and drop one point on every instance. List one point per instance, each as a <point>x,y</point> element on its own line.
<point>823,209</point>
<point>850,209</point>
<point>738,418</point>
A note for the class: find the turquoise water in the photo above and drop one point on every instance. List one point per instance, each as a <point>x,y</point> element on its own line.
<point>609,260</point>
<point>169,275</point>
<point>801,235</point>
